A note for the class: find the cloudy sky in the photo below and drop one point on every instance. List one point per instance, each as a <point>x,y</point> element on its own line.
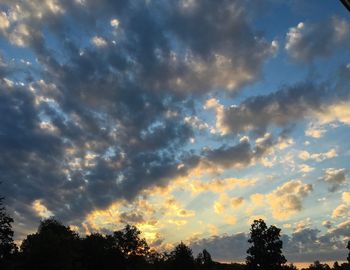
<point>187,118</point>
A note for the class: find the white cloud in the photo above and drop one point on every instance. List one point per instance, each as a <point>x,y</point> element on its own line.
<point>4,21</point>
<point>287,199</point>
<point>305,155</point>
<point>99,41</point>
<point>315,131</point>
<point>114,23</point>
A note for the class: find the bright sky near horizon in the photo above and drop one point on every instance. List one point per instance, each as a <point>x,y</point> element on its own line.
<point>186,118</point>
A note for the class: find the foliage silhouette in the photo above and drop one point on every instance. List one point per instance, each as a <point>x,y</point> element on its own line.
<point>204,260</point>
<point>56,247</point>
<point>266,250</point>
<point>7,246</point>
<point>100,252</point>
<point>181,257</point>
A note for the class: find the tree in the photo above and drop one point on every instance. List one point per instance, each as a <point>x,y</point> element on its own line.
<point>266,250</point>
<point>100,252</point>
<point>182,257</point>
<point>348,247</point>
<point>336,266</point>
<point>54,247</point>
<point>204,260</point>
<point>134,248</point>
<point>7,246</point>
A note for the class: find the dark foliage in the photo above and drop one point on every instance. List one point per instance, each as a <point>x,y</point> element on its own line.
<point>7,246</point>
<point>266,250</point>
<point>56,247</point>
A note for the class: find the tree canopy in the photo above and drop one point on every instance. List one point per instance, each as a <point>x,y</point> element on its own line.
<point>265,252</point>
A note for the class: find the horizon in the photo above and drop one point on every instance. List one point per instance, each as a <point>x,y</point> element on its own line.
<point>188,119</point>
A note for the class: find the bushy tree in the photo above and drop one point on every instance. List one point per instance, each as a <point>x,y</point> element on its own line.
<point>54,247</point>
<point>181,257</point>
<point>7,246</point>
<point>265,252</point>
<point>100,252</point>
<point>134,248</point>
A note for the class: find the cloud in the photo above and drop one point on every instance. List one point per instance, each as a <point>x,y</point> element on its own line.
<point>340,211</point>
<point>220,185</point>
<point>305,168</point>
<point>223,248</point>
<point>99,41</point>
<point>346,197</point>
<point>94,122</point>
<point>307,244</point>
<point>286,200</point>
<point>235,202</point>
<point>315,131</point>
<point>282,108</point>
<point>334,178</point>
<point>41,210</point>
<point>305,155</point>
<point>307,41</point>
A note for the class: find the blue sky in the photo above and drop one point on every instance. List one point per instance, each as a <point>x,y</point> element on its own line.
<point>188,119</point>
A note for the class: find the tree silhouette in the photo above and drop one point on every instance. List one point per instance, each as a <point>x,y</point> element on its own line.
<point>182,257</point>
<point>204,260</point>
<point>54,247</point>
<point>266,250</point>
<point>100,252</point>
<point>134,248</point>
<point>7,246</point>
<point>336,266</point>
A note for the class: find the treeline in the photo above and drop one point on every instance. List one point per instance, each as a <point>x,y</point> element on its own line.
<point>57,247</point>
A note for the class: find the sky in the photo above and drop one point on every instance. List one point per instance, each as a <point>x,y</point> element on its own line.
<point>186,118</point>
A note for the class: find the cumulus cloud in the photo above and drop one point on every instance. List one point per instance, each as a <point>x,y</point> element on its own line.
<point>287,199</point>
<point>281,109</point>
<point>96,122</point>
<point>340,211</point>
<point>334,178</point>
<point>307,41</point>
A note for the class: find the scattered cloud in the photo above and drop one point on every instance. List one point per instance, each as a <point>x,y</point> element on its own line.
<point>286,200</point>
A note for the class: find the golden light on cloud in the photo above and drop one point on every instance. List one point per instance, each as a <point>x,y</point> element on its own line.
<point>41,210</point>
<point>220,185</point>
<point>287,199</point>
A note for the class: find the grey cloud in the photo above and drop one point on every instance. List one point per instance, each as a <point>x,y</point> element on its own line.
<point>334,178</point>
<point>91,125</point>
<point>224,248</point>
<point>307,41</point>
<point>301,246</point>
<point>281,108</point>
<point>131,217</point>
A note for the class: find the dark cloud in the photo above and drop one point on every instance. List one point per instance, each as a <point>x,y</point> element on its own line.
<point>281,108</point>
<point>98,115</point>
